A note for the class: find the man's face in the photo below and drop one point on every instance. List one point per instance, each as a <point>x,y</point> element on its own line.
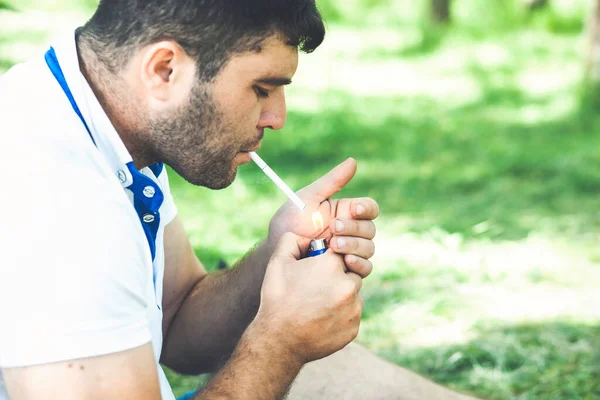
<point>211,133</point>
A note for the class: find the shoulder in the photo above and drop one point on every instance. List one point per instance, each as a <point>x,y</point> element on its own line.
<point>65,199</point>
<point>41,137</point>
<point>71,236</point>
<point>35,111</point>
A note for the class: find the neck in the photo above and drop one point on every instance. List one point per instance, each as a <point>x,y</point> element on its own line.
<point>116,100</point>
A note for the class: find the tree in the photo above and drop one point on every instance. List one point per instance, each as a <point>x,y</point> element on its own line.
<point>535,4</point>
<point>440,11</point>
<point>592,68</point>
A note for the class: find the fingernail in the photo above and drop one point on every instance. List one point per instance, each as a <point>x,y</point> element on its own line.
<point>351,259</point>
<point>341,243</point>
<point>360,209</point>
<point>339,226</point>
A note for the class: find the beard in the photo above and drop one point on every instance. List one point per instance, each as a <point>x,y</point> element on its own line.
<point>196,141</point>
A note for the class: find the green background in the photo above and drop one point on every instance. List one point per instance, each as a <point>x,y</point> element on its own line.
<point>484,157</point>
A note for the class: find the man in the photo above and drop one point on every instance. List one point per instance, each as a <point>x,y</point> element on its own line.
<point>99,282</point>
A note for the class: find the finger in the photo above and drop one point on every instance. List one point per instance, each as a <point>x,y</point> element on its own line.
<point>330,258</point>
<point>353,227</point>
<point>360,303</point>
<point>358,265</point>
<point>330,183</point>
<point>356,279</point>
<point>289,246</point>
<point>350,245</point>
<point>364,208</point>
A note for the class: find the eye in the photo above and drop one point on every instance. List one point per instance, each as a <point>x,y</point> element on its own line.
<point>260,92</point>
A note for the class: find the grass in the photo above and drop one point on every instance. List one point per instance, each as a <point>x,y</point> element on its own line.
<point>486,167</point>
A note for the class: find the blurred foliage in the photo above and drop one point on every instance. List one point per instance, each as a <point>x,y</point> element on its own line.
<point>479,16</point>
<point>474,141</point>
<point>53,5</point>
<point>5,6</point>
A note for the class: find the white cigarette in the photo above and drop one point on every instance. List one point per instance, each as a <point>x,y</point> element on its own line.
<point>277,180</point>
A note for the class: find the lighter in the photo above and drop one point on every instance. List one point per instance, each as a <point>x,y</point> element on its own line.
<point>317,247</point>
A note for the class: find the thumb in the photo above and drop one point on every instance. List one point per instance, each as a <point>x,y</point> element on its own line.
<point>330,183</point>
<point>290,247</point>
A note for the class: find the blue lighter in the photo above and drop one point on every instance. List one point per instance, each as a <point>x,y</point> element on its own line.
<point>317,247</point>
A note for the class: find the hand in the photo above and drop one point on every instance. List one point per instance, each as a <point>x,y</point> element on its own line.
<point>354,217</point>
<point>310,307</point>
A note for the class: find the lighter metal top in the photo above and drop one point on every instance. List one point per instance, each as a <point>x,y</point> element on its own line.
<point>317,244</point>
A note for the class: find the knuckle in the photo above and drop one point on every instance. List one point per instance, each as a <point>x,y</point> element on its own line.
<point>358,227</point>
<point>371,251</point>
<point>360,303</point>
<point>346,291</point>
<point>353,244</point>
<point>356,278</point>
<point>364,229</point>
<point>368,267</point>
<point>287,236</point>
<point>372,230</point>
<point>354,332</point>
<point>285,240</point>
<point>356,312</point>
<point>358,285</point>
<point>360,268</point>
<point>356,316</point>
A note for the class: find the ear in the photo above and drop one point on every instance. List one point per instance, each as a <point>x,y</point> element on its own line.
<point>166,68</point>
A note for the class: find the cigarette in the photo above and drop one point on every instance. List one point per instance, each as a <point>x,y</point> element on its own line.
<point>277,181</point>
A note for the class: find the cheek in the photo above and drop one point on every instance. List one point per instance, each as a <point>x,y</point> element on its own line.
<point>246,115</point>
<point>255,115</point>
<point>242,114</point>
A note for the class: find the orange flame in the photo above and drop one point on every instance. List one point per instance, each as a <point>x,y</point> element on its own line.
<point>317,219</point>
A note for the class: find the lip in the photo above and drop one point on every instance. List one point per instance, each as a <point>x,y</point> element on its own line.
<point>245,157</point>
<point>261,135</point>
<point>253,149</point>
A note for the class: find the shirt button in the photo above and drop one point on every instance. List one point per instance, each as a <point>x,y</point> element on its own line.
<point>122,176</point>
<point>149,191</point>
<point>148,218</point>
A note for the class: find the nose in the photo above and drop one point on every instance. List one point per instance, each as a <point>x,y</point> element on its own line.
<point>273,113</point>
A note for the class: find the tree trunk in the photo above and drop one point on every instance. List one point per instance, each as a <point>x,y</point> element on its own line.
<point>535,4</point>
<point>592,68</point>
<point>440,11</point>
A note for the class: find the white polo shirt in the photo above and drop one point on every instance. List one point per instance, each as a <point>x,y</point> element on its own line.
<point>76,272</point>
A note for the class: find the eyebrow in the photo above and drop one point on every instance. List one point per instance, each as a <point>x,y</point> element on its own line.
<point>277,81</point>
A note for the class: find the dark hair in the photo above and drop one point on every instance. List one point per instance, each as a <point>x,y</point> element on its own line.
<point>209,30</point>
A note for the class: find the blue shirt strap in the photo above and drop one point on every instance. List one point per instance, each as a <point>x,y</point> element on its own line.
<point>54,66</point>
